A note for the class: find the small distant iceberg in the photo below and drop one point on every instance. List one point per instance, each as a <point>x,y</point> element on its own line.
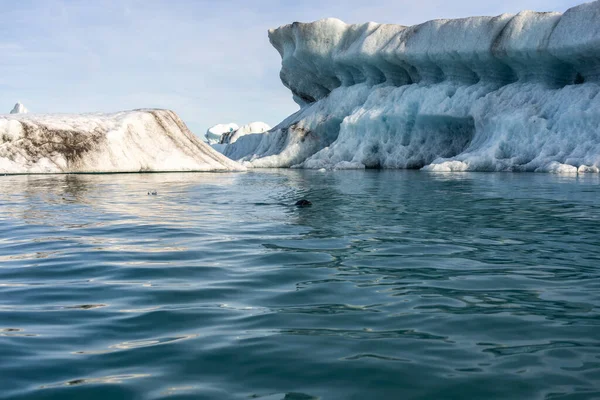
<point>253,127</point>
<point>222,135</point>
<point>19,108</point>
<point>214,133</point>
<point>129,141</point>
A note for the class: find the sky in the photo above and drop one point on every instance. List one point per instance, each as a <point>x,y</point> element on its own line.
<point>208,60</point>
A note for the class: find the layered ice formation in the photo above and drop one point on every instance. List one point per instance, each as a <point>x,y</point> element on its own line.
<point>130,141</point>
<point>19,109</point>
<point>507,93</point>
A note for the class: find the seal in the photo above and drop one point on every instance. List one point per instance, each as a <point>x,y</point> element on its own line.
<point>303,203</point>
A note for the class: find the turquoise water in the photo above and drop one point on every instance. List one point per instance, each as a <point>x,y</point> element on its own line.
<point>393,285</point>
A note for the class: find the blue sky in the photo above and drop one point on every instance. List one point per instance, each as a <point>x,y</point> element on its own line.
<point>210,61</point>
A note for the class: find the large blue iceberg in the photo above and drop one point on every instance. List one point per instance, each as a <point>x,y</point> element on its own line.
<point>507,93</point>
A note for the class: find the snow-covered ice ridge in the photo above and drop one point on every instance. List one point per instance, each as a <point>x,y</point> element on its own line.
<point>129,141</point>
<point>507,93</point>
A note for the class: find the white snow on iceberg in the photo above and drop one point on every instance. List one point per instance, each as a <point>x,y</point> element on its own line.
<point>508,93</point>
<point>19,109</point>
<point>129,141</point>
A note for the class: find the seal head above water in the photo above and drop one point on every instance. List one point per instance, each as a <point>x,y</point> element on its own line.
<point>303,203</point>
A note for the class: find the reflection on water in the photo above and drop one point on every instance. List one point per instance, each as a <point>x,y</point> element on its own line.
<point>34,197</point>
<point>394,284</point>
<point>89,381</point>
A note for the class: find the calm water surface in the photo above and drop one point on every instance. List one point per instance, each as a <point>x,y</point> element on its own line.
<point>393,285</point>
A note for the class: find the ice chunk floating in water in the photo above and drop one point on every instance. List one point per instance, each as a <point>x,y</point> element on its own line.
<point>130,141</point>
<point>508,93</point>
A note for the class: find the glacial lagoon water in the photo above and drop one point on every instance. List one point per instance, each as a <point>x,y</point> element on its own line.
<point>393,285</point>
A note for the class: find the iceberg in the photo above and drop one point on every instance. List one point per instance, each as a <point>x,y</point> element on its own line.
<point>19,109</point>
<point>128,141</point>
<point>506,93</point>
<point>230,135</point>
<point>252,127</point>
<point>214,133</point>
